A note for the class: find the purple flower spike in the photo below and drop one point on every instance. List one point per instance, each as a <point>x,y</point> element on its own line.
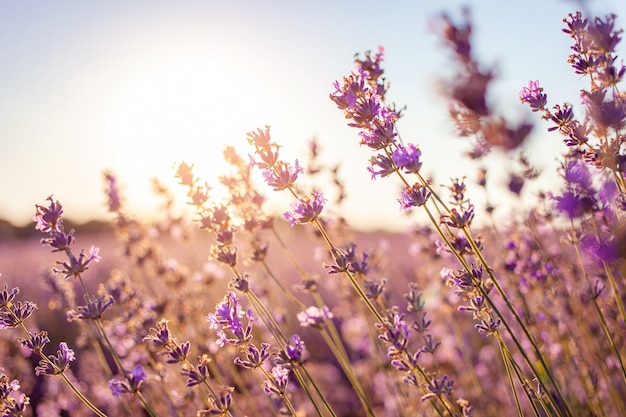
<point>277,383</point>
<point>55,365</point>
<point>282,175</point>
<point>59,240</point>
<point>6,297</point>
<point>314,317</point>
<point>573,204</point>
<point>76,266</point>
<point>260,138</point>
<point>159,335</point>
<point>16,314</point>
<point>132,384</point>
<point>533,96</point>
<point>199,374</point>
<point>112,192</point>
<point>381,166</point>
<point>408,158</point>
<point>35,341</point>
<point>93,310</point>
<point>294,349</point>
<point>577,172</point>
<point>306,209</point>
<point>49,219</point>
<point>228,318</point>
<point>459,219</point>
<point>415,196</point>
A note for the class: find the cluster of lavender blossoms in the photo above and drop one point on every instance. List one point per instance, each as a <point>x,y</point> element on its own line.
<point>463,315</point>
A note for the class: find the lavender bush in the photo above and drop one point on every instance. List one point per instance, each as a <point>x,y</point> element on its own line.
<point>518,318</point>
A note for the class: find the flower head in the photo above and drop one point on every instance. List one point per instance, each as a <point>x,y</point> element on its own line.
<point>55,365</point>
<point>6,297</point>
<point>278,380</point>
<point>49,219</point>
<point>159,335</point>
<point>7,387</point>
<point>35,341</point>
<point>93,310</point>
<point>199,374</point>
<point>533,95</point>
<point>112,192</point>
<point>228,318</point>
<point>282,175</point>
<point>76,266</point>
<point>306,209</point>
<point>407,158</point>
<point>573,204</point>
<point>314,317</point>
<point>16,314</point>
<point>255,357</point>
<point>415,196</point>
<point>132,383</point>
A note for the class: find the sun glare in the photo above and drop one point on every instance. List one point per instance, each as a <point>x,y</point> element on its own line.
<point>186,110</point>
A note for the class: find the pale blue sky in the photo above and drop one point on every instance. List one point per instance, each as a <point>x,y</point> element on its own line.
<point>135,86</point>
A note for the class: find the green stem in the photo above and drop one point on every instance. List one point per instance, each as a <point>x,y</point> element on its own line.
<point>334,251</point>
<point>519,321</point>
<point>58,371</point>
<point>507,366</point>
<point>81,396</point>
<point>491,303</point>
<point>616,290</point>
<point>145,404</point>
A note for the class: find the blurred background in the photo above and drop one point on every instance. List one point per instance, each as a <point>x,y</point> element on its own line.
<point>136,87</point>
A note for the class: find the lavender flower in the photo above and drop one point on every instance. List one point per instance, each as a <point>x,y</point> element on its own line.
<point>93,310</point>
<point>16,314</point>
<point>294,349</point>
<point>178,353</point>
<point>306,209</point>
<point>35,341</point>
<point>55,365</point>
<point>6,297</point>
<point>48,219</point>
<point>228,318</point>
<point>277,384</point>
<point>533,95</point>
<point>394,331</point>
<point>437,387</point>
<point>573,204</point>
<point>15,407</point>
<point>7,387</point>
<point>196,375</point>
<point>225,254</point>
<point>407,158</point>
<point>314,317</point>
<point>381,166</point>
<point>59,240</point>
<point>458,219</point>
<point>220,405</point>
<point>255,357</point>
<point>131,384</point>
<point>76,266</point>
<point>112,191</point>
<point>373,289</point>
<point>282,175</point>
<point>159,335</point>
<point>489,325</point>
<point>293,354</point>
<point>415,196</point>
<point>380,134</point>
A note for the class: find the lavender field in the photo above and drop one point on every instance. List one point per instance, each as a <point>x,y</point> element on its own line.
<point>225,308</point>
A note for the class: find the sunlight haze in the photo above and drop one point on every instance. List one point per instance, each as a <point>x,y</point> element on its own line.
<point>135,87</point>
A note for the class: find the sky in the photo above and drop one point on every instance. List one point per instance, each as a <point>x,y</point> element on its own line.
<point>136,87</point>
